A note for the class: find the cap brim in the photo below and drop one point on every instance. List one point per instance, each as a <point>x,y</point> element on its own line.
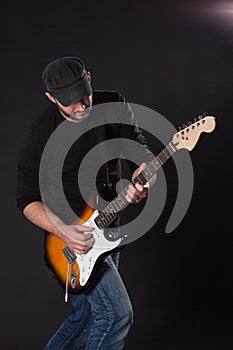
<point>71,94</point>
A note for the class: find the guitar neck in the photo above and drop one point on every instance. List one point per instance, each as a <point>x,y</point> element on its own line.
<point>106,216</point>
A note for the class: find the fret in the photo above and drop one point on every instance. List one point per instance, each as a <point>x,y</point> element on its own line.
<point>116,204</point>
<point>106,211</point>
<point>146,173</point>
<point>137,179</point>
<point>158,164</point>
<point>173,147</point>
<point>120,201</point>
<point>109,208</point>
<point>166,152</point>
<point>112,207</point>
<point>123,193</point>
<point>162,157</point>
<point>155,167</point>
<point>122,198</point>
<point>140,178</point>
<point>151,168</point>
<point>134,181</point>
<point>158,159</point>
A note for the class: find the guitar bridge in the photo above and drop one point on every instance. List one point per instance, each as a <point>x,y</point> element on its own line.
<point>69,254</point>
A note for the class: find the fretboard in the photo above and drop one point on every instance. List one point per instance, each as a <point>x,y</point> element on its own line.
<point>109,213</point>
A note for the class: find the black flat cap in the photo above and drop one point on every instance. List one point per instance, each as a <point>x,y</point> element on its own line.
<point>66,79</point>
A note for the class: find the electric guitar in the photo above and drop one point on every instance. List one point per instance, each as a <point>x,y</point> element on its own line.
<point>75,272</point>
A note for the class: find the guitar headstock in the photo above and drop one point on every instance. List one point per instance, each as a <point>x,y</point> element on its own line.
<point>189,133</point>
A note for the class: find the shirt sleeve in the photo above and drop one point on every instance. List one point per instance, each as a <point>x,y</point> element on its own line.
<point>131,131</point>
<point>27,183</point>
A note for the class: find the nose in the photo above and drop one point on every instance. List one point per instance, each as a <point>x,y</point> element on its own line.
<point>80,106</point>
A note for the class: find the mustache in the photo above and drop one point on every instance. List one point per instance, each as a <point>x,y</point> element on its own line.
<point>74,117</point>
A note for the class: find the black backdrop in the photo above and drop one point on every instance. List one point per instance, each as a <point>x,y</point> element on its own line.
<point>176,58</point>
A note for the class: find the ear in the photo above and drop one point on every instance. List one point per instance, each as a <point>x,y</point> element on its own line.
<point>50,97</point>
<point>89,76</point>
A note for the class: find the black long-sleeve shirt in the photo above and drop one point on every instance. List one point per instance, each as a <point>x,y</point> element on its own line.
<point>41,153</point>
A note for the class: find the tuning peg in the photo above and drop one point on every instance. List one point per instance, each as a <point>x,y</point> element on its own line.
<point>184,126</point>
<point>189,122</point>
<point>179,128</point>
<point>199,117</point>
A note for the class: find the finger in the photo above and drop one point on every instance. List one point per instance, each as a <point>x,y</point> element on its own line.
<point>85,237</point>
<point>83,246</point>
<point>81,250</point>
<point>141,168</point>
<point>138,191</point>
<point>137,200</point>
<point>134,198</point>
<point>83,228</point>
<point>89,242</point>
<point>131,195</point>
<point>129,199</point>
<point>139,187</point>
<point>132,190</point>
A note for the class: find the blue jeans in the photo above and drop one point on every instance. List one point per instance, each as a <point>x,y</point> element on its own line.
<point>100,319</point>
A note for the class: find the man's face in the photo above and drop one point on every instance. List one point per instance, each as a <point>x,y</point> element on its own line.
<point>77,111</point>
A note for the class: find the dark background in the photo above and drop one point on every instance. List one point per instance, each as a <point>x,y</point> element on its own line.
<point>176,58</point>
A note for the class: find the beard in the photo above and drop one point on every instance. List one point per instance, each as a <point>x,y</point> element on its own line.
<point>76,116</point>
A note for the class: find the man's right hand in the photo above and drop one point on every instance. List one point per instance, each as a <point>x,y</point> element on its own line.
<point>77,238</point>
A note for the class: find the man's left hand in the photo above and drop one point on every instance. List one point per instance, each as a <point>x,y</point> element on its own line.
<point>136,193</point>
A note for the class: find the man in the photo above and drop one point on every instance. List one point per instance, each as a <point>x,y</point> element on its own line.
<point>102,316</point>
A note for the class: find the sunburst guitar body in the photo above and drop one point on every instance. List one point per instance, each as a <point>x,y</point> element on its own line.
<point>74,271</point>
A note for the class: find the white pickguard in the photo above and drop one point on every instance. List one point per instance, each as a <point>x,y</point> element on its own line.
<point>87,261</point>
